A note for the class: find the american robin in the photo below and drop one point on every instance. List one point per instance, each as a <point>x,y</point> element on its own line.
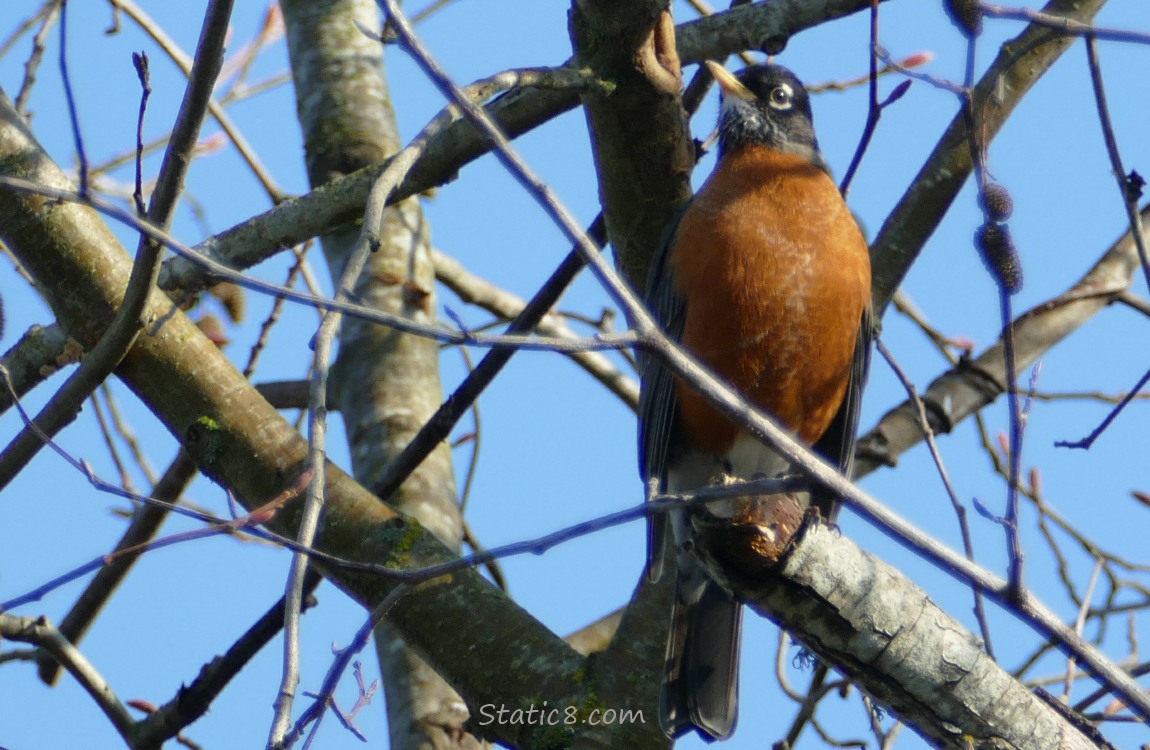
<point>765,278</point>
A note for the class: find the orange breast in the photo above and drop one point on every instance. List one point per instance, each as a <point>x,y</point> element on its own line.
<point>776,275</point>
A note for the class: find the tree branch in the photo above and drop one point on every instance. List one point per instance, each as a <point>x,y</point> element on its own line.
<point>477,291</point>
<point>144,526</point>
<point>34,358</point>
<point>341,201</point>
<point>46,637</point>
<point>347,121</point>
<point>1017,67</point>
<point>239,440</point>
<point>128,323</point>
<point>874,624</point>
<point>974,383</point>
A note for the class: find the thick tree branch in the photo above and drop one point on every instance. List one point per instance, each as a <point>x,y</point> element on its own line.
<point>240,441</point>
<point>128,322</point>
<point>386,383</point>
<point>341,201</point>
<point>643,150</point>
<point>866,618</point>
<point>36,357</point>
<point>973,384</point>
<point>757,26</point>
<point>1018,66</point>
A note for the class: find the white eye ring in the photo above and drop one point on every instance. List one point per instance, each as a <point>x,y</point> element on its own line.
<point>781,96</point>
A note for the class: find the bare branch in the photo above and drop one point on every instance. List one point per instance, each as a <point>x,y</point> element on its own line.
<point>186,64</point>
<point>340,201</point>
<point>193,701</point>
<point>145,524</point>
<point>239,440</point>
<point>974,383</point>
<point>35,357</point>
<point>477,291</point>
<point>870,621</point>
<point>128,322</point>
<point>1018,65</point>
<point>45,636</point>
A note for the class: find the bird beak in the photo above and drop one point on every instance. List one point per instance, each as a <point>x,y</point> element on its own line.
<point>730,85</point>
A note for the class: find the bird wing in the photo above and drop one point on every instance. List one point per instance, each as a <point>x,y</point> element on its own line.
<point>837,444</point>
<point>658,407</point>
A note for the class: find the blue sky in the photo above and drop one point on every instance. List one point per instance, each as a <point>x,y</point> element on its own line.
<point>557,449</point>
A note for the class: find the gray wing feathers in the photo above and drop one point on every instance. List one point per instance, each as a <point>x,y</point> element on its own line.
<point>837,444</point>
<point>657,402</point>
<point>701,679</point>
<point>700,684</point>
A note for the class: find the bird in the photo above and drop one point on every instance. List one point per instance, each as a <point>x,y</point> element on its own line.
<point>765,278</point>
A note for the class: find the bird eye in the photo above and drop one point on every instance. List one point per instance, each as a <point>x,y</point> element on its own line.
<point>781,97</point>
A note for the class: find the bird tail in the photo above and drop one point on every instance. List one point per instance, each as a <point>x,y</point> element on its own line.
<point>701,678</point>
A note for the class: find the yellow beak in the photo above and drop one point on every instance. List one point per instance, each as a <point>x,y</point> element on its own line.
<point>730,85</point>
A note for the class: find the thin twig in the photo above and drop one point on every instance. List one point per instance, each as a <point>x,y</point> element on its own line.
<point>475,290</point>
<point>140,60</point>
<point>729,403</point>
<point>271,30</point>
<point>219,271</point>
<point>144,526</point>
<point>910,61</point>
<point>69,97</point>
<point>246,523</point>
<point>436,429</point>
<point>127,323</point>
<point>475,438</point>
<point>1014,460</point>
<point>429,10</point>
<point>956,504</point>
<point>274,314</point>
<point>1067,26</point>
<point>192,702</point>
<point>49,12</point>
<point>1135,301</point>
<point>904,305</point>
<point>1079,624</point>
<point>874,111</point>
<point>1129,188</point>
<point>186,64</point>
<point>494,569</point>
<point>126,434</point>
<point>26,25</point>
<point>109,443</point>
<point>1106,398</point>
<point>1086,442</point>
<point>344,657</point>
<point>1139,671</point>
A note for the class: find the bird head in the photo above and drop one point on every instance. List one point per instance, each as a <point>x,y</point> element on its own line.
<point>766,105</point>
